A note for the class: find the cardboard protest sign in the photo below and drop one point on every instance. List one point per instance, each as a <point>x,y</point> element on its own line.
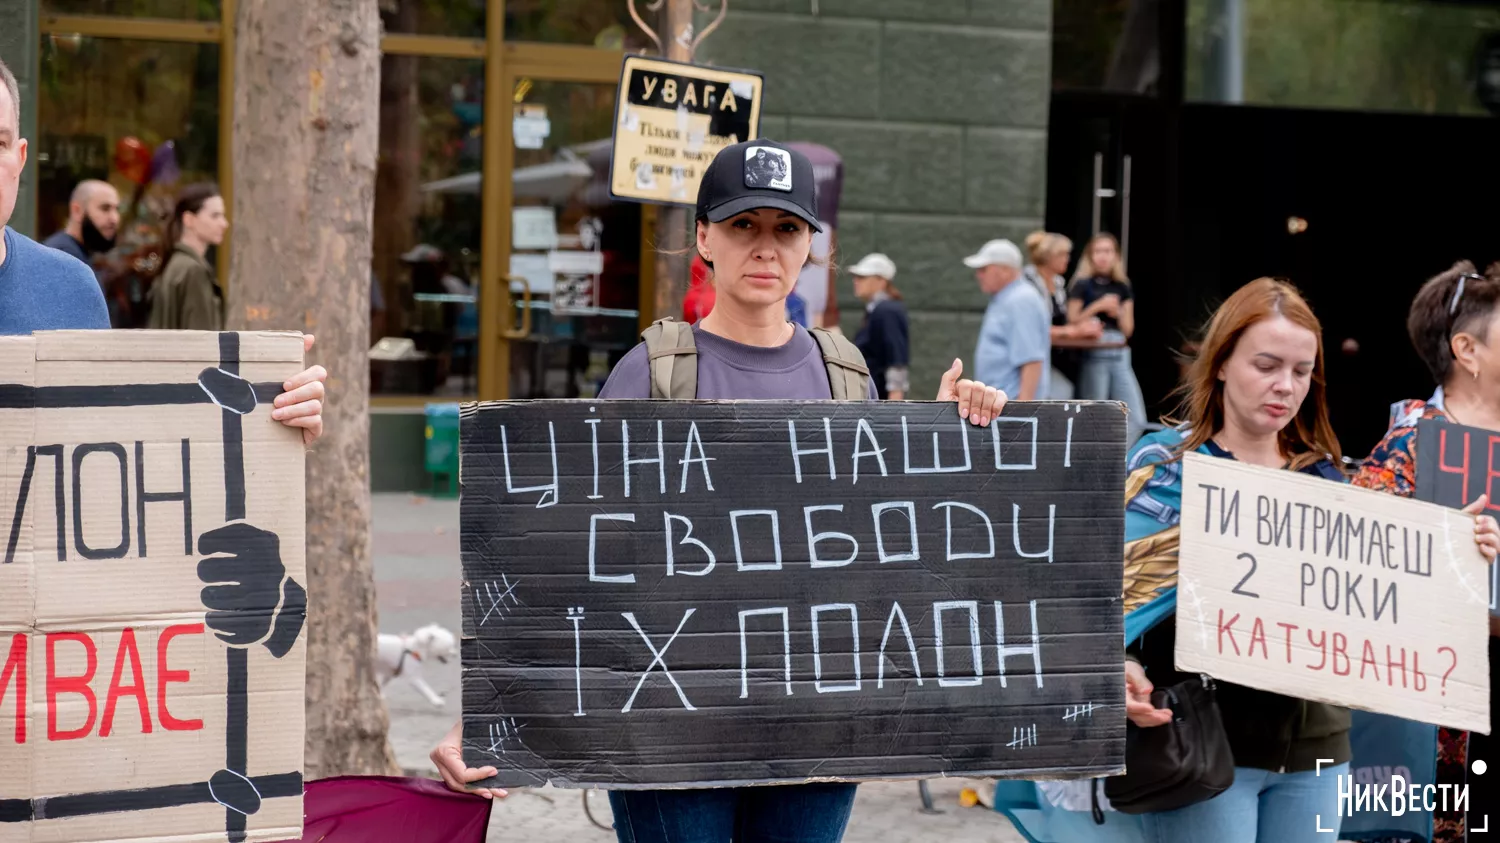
<point>671,119</point>
<point>1314,589</point>
<point>152,596</point>
<point>1455,465</point>
<point>700,593</point>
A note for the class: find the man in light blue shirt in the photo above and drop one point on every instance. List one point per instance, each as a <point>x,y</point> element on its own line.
<point>1015,346</point>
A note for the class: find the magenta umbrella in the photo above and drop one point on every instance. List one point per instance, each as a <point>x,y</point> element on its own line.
<point>358,809</point>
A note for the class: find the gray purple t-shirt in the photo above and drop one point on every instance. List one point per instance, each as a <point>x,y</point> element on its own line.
<point>728,370</point>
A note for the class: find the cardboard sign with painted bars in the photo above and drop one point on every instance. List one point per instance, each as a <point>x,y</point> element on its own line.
<point>152,595</point>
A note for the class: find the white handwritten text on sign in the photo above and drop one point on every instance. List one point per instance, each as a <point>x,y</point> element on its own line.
<point>695,593</point>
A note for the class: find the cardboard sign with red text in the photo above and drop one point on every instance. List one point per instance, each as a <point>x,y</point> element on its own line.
<point>1318,590</point>
<point>1455,465</point>
<point>152,526</point>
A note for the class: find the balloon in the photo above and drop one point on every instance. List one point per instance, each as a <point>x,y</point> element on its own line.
<point>164,169</point>
<point>133,160</point>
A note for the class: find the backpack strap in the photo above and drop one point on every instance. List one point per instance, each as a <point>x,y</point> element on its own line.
<point>666,341</point>
<point>848,376</point>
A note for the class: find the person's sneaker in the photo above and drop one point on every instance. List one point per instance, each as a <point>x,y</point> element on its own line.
<point>986,793</point>
<point>977,792</point>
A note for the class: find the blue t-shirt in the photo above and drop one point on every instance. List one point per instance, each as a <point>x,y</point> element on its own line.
<point>42,289</point>
<point>1016,331</point>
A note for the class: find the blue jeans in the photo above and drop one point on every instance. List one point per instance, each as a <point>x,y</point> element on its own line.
<point>1260,807</point>
<point>1106,375</point>
<point>803,813</point>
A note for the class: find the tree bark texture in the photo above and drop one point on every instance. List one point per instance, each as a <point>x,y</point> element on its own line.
<point>306,114</point>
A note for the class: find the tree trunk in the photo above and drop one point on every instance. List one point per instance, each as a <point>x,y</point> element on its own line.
<point>306,108</point>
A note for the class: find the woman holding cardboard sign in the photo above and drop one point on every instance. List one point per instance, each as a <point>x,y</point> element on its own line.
<point>1452,324</point>
<point>1255,393</point>
<point>755,220</point>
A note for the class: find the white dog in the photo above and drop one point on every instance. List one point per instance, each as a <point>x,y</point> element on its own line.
<point>402,656</point>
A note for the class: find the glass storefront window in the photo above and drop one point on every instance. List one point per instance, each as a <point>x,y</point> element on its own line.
<point>1421,56</point>
<point>425,301</point>
<point>457,18</point>
<point>1106,45</point>
<point>142,115</point>
<point>578,251</point>
<point>597,23</point>
<point>205,10</point>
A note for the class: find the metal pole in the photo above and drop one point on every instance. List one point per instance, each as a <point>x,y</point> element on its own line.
<point>1125,217</point>
<point>672,222</point>
<point>926,794</point>
<point>1234,49</point>
<point>1098,187</point>
<point>1225,59</point>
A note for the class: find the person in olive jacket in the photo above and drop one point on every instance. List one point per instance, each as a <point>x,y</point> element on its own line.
<point>186,295</point>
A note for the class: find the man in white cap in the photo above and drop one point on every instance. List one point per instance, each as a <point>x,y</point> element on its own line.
<point>883,338</point>
<point>1014,348</point>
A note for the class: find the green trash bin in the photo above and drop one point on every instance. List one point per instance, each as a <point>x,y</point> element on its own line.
<point>441,454</point>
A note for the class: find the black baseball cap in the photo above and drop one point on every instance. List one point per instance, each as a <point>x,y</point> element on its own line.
<point>758,174</point>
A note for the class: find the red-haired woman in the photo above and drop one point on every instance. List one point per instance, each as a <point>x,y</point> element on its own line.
<point>1255,393</point>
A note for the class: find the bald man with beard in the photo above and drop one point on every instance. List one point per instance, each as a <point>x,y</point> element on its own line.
<point>93,221</point>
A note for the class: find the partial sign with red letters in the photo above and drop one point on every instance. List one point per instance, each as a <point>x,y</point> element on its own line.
<point>151,588</point>
<point>1455,465</point>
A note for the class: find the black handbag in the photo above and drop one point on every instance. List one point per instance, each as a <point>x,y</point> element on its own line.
<point>1181,763</point>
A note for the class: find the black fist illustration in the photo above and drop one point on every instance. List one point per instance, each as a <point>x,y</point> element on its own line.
<point>250,598</point>
<point>231,392</point>
<point>234,791</point>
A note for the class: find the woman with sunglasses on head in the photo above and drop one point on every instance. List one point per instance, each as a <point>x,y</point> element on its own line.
<point>1453,326</point>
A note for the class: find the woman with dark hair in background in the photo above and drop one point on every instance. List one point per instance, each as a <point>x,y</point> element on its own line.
<point>1452,325</point>
<point>186,295</point>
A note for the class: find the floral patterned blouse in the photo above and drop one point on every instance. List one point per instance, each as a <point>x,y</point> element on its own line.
<point>1392,467</point>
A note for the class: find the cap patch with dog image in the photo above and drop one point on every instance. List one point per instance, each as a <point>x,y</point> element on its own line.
<point>767,167</point>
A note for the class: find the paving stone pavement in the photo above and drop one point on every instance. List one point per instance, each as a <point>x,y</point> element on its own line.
<point>415,545</point>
